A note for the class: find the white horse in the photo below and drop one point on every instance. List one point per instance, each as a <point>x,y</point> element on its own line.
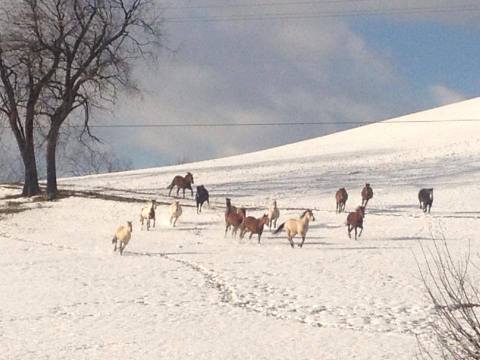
<point>297,226</point>
<point>273,215</point>
<point>148,213</point>
<point>175,212</point>
<point>122,236</point>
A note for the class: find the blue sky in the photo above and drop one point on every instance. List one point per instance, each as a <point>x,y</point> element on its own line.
<point>339,69</point>
<point>428,52</point>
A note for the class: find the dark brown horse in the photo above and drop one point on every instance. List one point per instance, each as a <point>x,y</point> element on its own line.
<point>234,220</point>
<point>341,196</point>
<point>355,220</point>
<point>181,183</point>
<point>254,226</point>
<point>367,194</point>
<point>425,197</point>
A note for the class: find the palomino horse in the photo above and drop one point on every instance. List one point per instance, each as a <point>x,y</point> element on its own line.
<point>254,226</point>
<point>297,226</point>
<point>341,196</point>
<point>425,197</point>
<point>181,183</point>
<point>175,212</point>
<point>367,194</point>
<point>148,213</point>
<point>355,220</point>
<point>273,215</point>
<point>122,237</point>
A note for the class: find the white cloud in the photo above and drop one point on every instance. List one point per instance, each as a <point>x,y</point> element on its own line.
<point>259,72</point>
<point>442,95</point>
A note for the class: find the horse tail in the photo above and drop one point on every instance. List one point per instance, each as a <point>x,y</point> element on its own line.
<point>171,185</point>
<point>280,228</point>
<point>114,240</point>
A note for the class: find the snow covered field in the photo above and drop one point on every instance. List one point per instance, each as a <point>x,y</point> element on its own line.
<point>190,293</point>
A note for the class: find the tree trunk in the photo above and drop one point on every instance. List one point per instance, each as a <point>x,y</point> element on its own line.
<point>30,186</point>
<point>52,189</point>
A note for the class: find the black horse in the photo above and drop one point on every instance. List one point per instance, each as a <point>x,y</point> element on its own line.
<point>201,197</point>
<point>425,197</point>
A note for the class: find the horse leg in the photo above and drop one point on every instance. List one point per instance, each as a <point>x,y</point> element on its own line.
<point>184,193</point>
<point>361,230</point>
<point>289,236</point>
<point>303,240</point>
<point>259,236</point>
<point>290,240</point>
<point>349,231</point>
<point>175,221</point>
<point>250,237</point>
<point>355,232</point>
<point>226,229</point>
<point>191,191</point>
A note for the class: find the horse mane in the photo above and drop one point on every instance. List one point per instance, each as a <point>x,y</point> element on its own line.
<point>305,212</point>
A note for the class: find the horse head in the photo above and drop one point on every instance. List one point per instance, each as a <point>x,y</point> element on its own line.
<point>361,210</point>
<point>189,177</point>
<point>308,214</point>
<point>264,219</point>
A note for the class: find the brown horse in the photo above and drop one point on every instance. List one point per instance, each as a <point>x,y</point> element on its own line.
<point>181,183</point>
<point>341,196</point>
<point>254,226</point>
<point>367,194</point>
<point>234,220</point>
<point>355,220</point>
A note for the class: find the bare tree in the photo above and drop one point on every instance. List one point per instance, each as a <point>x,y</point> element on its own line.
<point>454,292</point>
<point>26,66</point>
<point>79,55</point>
<point>87,156</point>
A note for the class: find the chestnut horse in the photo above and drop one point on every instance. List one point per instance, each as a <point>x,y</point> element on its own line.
<point>254,226</point>
<point>355,220</point>
<point>181,183</point>
<point>234,219</point>
<point>367,194</point>
<point>341,196</point>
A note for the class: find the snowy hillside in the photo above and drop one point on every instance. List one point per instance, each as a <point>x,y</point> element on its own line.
<point>190,293</point>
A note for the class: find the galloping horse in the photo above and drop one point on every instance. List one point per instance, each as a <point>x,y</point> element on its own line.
<point>297,226</point>
<point>273,215</point>
<point>367,194</point>
<point>355,220</point>
<point>148,213</point>
<point>425,197</point>
<point>341,196</point>
<point>234,219</point>
<point>254,226</point>
<point>181,183</point>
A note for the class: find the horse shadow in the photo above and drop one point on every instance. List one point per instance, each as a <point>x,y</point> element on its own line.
<point>161,254</point>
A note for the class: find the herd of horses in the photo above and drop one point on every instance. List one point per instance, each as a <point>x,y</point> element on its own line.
<point>238,222</point>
